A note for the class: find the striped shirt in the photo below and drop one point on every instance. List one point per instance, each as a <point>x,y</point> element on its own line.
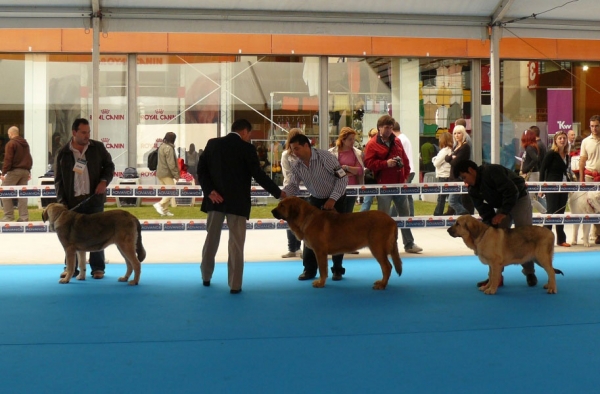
<point>318,177</point>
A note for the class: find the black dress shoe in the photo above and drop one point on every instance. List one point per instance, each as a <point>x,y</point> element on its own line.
<point>206,283</point>
<point>307,275</point>
<point>337,276</point>
<point>531,280</point>
<point>235,291</point>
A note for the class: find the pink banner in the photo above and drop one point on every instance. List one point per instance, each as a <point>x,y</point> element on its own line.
<point>560,110</point>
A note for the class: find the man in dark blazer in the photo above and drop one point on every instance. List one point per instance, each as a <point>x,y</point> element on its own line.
<point>225,172</point>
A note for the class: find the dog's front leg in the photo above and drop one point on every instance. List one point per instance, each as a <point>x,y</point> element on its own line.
<point>575,233</point>
<point>81,260</point>
<point>586,235</point>
<point>70,257</point>
<point>494,279</point>
<point>322,263</point>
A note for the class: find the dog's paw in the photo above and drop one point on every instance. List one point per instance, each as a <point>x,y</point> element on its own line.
<point>81,276</point>
<point>490,291</point>
<point>586,244</point>
<point>550,290</point>
<point>379,285</point>
<point>318,283</point>
<point>132,283</point>
<point>63,281</point>
<point>123,279</point>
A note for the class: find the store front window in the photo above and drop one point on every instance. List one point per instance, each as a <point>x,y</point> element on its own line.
<point>554,96</point>
<point>12,99</point>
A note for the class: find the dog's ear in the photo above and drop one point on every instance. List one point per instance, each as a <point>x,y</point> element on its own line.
<point>474,227</point>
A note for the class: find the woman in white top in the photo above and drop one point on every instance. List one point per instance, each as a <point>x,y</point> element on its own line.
<point>442,169</point>
<point>287,158</point>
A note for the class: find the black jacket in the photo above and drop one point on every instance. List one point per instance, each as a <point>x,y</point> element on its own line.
<point>100,167</point>
<point>496,187</point>
<point>227,166</point>
<point>554,167</point>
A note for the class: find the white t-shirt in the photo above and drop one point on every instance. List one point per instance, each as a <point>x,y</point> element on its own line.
<point>590,148</point>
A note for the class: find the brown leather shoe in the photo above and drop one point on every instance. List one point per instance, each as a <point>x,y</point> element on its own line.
<point>98,274</point>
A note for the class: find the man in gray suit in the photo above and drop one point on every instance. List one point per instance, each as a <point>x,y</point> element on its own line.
<point>225,172</point>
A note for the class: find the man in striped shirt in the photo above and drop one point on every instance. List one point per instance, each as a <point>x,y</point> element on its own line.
<point>316,168</point>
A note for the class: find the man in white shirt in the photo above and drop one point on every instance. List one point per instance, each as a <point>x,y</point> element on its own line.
<point>589,160</point>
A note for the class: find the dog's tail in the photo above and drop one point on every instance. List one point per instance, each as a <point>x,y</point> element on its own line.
<point>139,247</point>
<point>396,255</point>
<point>558,271</point>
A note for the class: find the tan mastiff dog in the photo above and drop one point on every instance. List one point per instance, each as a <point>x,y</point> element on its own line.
<point>79,233</point>
<point>498,248</point>
<point>330,232</point>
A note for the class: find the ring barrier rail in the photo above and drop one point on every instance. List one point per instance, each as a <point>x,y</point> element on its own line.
<point>430,221</point>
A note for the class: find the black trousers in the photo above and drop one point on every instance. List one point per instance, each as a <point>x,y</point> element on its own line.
<point>308,256</point>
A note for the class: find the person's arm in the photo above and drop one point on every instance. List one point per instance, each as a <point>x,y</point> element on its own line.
<point>172,163</point>
<point>546,165</point>
<point>107,170</point>
<point>582,159</point>
<point>59,187</point>
<point>531,160</point>
<point>339,189</point>
<point>372,161</point>
<point>252,162</point>
<point>8,158</point>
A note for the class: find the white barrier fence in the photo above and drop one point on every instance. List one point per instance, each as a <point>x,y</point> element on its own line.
<point>133,191</point>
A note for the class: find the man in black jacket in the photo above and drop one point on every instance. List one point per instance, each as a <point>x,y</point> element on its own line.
<point>82,172</point>
<point>500,196</point>
<point>225,172</point>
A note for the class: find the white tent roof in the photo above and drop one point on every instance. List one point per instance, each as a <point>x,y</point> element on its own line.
<point>433,18</point>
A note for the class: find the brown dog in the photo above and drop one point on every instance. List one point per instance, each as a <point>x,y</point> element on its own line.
<point>498,248</point>
<point>79,233</point>
<point>330,232</point>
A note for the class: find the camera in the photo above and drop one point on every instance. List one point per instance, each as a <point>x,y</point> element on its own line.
<point>398,161</point>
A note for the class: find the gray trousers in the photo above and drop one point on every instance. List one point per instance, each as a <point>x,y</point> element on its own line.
<point>235,248</point>
<point>16,177</point>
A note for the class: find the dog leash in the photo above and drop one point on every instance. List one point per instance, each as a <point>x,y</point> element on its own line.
<point>81,203</point>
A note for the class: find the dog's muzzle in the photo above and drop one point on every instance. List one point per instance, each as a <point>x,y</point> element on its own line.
<point>276,214</point>
<point>451,231</point>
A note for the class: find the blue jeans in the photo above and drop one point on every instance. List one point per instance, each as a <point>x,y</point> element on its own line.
<point>367,202</point>
<point>441,200</point>
<point>455,202</point>
<point>384,204</point>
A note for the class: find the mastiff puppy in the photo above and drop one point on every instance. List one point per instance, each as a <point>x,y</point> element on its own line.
<point>79,233</point>
<point>498,248</point>
<point>330,232</point>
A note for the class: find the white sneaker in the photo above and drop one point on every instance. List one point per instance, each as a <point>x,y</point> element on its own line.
<point>414,249</point>
<point>159,209</point>
<point>169,213</point>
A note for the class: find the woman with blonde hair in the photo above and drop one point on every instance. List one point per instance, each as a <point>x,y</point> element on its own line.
<point>442,169</point>
<point>287,158</point>
<point>460,152</point>
<point>351,160</point>
<point>555,168</point>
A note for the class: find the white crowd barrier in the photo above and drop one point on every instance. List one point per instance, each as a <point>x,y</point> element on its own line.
<point>47,191</point>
